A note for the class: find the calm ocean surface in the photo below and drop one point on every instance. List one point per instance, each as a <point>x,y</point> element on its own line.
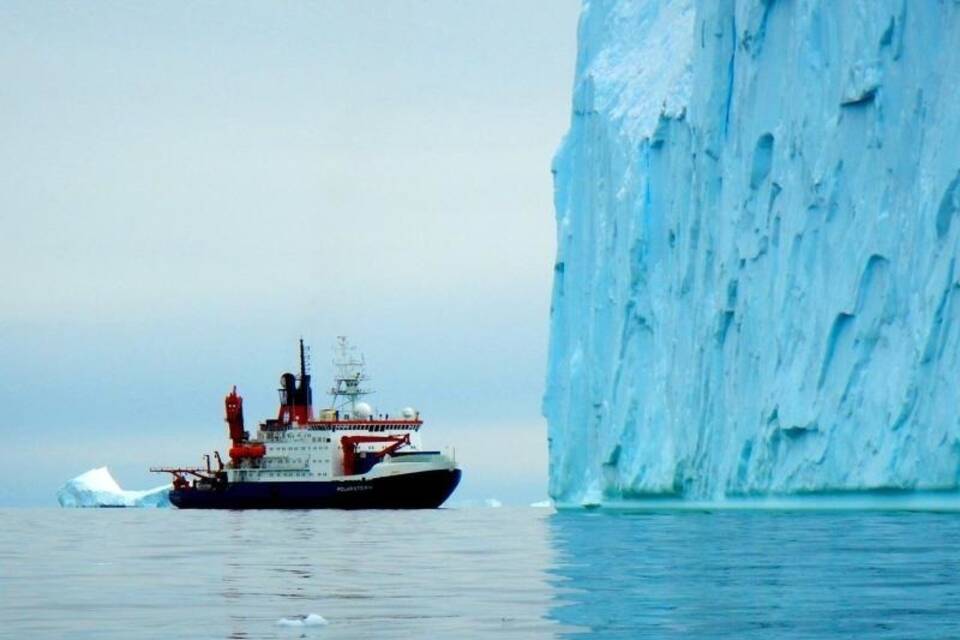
<point>522,573</point>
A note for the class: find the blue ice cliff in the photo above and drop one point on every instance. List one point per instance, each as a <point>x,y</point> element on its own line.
<point>757,288</point>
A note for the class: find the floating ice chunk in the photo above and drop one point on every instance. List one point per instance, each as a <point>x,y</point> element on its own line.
<point>493,503</point>
<point>97,488</point>
<point>310,620</point>
<point>543,504</point>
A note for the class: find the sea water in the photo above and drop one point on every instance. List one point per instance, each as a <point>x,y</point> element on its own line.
<point>461,573</point>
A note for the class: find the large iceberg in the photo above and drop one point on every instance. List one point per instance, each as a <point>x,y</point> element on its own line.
<point>756,289</point>
<point>97,488</point>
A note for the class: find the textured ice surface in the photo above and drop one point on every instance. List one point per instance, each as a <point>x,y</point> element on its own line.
<point>97,488</point>
<point>756,290</point>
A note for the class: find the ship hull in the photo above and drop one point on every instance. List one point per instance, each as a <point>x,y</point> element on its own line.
<point>420,490</point>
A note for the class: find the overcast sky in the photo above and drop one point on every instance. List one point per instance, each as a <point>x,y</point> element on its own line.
<point>186,188</point>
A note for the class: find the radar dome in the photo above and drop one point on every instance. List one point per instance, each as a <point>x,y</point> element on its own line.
<point>362,411</point>
<point>408,413</point>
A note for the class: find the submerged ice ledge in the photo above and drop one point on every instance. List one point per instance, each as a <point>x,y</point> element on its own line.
<point>858,500</point>
<point>756,286</point>
<point>98,488</point>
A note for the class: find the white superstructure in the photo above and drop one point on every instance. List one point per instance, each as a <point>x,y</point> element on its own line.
<point>348,441</point>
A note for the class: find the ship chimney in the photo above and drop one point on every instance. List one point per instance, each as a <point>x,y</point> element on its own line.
<point>296,396</point>
<point>304,392</point>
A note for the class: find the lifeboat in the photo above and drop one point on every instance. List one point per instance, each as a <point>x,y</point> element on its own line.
<point>240,451</point>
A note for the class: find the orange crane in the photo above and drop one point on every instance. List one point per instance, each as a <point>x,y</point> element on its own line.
<point>350,443</point>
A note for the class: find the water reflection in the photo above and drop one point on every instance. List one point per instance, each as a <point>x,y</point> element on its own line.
<point>498,573</point>
<point>762,575</point>
<point>469,573</point>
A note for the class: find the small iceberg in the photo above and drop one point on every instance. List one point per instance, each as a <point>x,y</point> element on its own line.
<point>97,488</point>
<point>312,620</point>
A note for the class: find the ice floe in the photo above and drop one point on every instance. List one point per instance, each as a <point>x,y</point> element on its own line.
<point>310,620</point>
<point>98,488</point>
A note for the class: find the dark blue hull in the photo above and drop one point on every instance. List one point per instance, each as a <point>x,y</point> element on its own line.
<point>423,490</point>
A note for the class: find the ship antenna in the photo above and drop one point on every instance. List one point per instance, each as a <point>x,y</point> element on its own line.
<point>350,376</point>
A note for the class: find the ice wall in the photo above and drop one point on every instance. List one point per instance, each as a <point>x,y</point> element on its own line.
<point>756,288</point>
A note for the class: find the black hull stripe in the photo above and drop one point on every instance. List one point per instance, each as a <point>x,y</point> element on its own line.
<point>423,490</point>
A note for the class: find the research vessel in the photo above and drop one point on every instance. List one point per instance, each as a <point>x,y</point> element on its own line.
<point>346,457</point>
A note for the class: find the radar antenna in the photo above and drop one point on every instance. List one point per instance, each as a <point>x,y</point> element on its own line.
<point>350,374</point>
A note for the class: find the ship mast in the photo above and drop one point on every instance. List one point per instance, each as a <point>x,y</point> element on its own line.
<point>350,374</point>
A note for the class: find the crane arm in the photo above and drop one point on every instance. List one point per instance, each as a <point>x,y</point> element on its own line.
<point>349,444</point>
